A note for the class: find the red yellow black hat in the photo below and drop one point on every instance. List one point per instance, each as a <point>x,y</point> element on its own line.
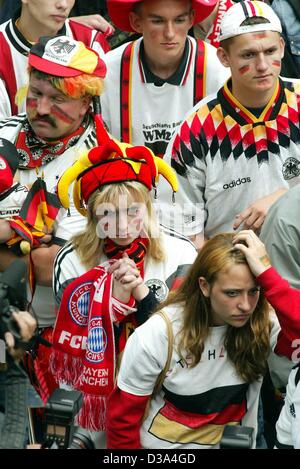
<point>111,163</point>
<point>62,56</point>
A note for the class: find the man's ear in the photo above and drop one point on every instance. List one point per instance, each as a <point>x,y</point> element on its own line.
<point>136,22</point>
<point>192,16</point>
<point>223,56</point>
<point>204,287</point>
<point>86,103</point>
<point>282,46</point>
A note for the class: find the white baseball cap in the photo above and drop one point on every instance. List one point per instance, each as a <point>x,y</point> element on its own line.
<point>239,12</point>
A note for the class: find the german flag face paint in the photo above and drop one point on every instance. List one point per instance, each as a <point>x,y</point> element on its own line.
<point>244,69</point>
<point>276,63</point>
<point>53,115</point>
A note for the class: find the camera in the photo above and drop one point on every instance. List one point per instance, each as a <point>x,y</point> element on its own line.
<point>60,411</point>
<point>237,437</point>
<point>81,440</point>
<point>12,297</point>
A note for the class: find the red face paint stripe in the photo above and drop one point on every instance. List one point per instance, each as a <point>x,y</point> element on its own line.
<point>60,114</point>
<point>244,69</point>
<point>276,63</point>
<point>31,102</point>
<point>259,35</point>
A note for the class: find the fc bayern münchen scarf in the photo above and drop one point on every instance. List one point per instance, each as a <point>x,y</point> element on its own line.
<point>83,342</point>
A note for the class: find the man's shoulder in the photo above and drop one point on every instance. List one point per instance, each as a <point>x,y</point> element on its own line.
<point>209,102</point>
<point>11,125</point>
<point>282,214</point>
<point>292,84</point>
<point>174,239</point>
<point>116,54</point>
<point>4,25</point>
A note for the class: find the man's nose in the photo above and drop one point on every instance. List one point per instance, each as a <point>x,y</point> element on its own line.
<point>62,4</point>
<point>169,30</point>
<point>261,63</point>
<point>43,106</point>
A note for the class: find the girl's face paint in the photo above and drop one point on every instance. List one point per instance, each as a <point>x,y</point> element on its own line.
<point>51,114</point>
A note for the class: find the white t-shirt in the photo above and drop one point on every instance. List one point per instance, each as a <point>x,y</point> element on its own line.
<point>209,395</point>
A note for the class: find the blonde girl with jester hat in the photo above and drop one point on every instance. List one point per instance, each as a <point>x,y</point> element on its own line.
<point>109,278</point>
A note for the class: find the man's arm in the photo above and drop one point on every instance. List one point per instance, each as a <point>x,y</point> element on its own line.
<point>43,259</point>
<point>5,107</point>
<point>281,235</point>
<point>95,22</point>
<point>253,217</point>
<point>5,231</point>
<point>27,326</point>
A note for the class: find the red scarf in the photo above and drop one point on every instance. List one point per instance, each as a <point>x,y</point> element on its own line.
<point>136,251</point>
<point>35,152</point>
<point>83,339</point>
<point>213,37</point>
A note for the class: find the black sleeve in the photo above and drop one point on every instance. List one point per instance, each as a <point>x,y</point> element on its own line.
<point>145,307</point>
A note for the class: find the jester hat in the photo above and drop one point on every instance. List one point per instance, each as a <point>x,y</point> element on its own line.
<point>111,163</point>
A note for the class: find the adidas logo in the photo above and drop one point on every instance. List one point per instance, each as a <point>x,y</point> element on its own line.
<point>238,182</point>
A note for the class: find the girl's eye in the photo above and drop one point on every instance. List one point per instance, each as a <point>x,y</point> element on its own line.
<point>108,213</point>
<point>231,293</point>
<point>133,211</point>
<point>254,291</point>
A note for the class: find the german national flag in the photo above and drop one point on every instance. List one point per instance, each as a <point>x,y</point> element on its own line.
<point>40,207</point>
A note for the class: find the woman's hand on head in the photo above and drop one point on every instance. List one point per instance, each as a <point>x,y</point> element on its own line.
<point>253,249</point>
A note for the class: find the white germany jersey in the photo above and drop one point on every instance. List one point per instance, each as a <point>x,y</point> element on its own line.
<point>155,112</point>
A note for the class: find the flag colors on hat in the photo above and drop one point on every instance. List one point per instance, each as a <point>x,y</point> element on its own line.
<point>238,13</point>
<point>119,11</point>
<point>111,163</point>
<point>62,56</point>
<point>9,159</point>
